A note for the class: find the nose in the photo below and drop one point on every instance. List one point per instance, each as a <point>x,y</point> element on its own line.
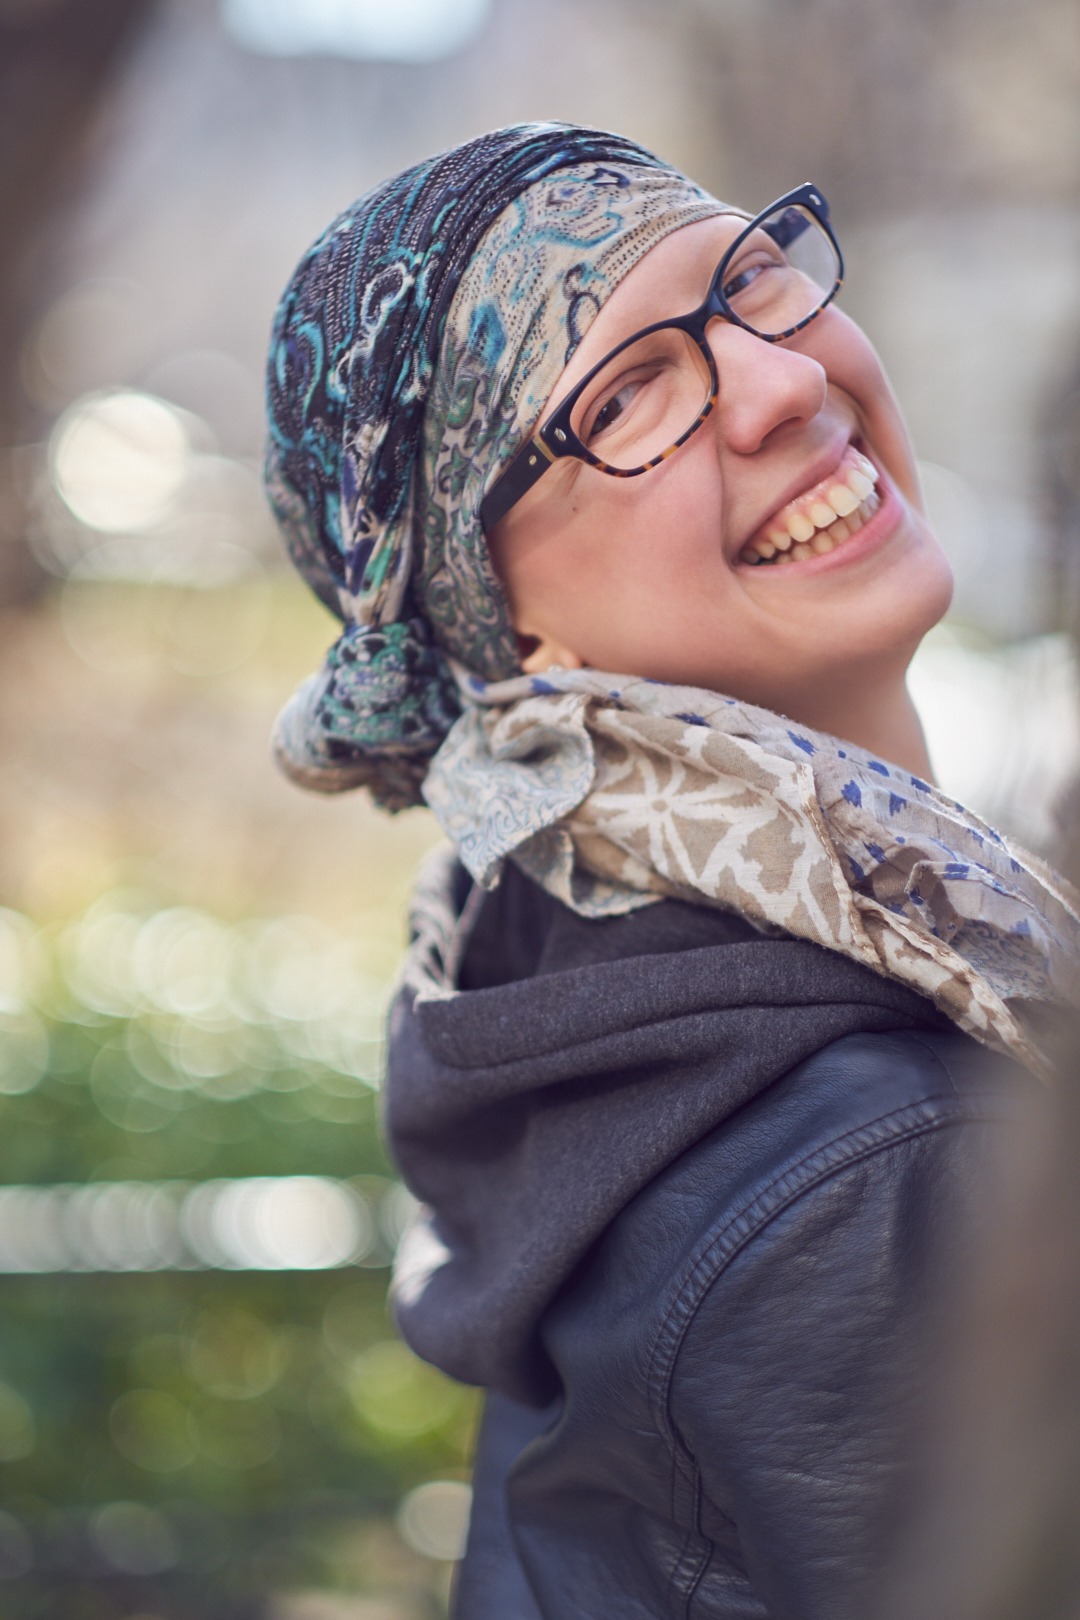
<point>763,386</point>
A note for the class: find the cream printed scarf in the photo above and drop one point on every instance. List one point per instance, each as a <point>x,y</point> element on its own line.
<point>615,792</point>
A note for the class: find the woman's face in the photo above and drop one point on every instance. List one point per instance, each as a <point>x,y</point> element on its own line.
<point>649,575</point>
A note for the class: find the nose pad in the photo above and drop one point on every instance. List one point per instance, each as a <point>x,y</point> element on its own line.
<point>713,313</point>
<point>706,344</point>
<point>726,324</point>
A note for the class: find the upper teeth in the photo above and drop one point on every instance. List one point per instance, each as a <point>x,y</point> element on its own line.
<point>835,506</point>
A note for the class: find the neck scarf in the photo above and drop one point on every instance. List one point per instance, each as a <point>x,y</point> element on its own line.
<point>412,352</point>
<point>615,792</point>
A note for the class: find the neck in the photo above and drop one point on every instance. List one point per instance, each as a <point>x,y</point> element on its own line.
<point>884,721</point>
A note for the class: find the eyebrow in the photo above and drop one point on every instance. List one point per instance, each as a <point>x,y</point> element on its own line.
<point>558,394</point>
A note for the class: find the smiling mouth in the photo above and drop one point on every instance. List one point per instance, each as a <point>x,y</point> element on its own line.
<point>822,518</point>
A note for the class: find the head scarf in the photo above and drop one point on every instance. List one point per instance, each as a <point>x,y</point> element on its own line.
<point>412,352</point>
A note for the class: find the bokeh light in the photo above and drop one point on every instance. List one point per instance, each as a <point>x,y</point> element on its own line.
<point>94,331</point>
<point>134,1539</point>
<point>236,1437</point>
<point>230,1339</point>
<point>17,1428</point>
<point>262,1223</point>
<point>434,1518</point>
<point>396,1395</point>
<point>234,1356</point>
<point>202,996</point>
<point>404,31</point>
<point>1002,725</point>
<point>118,460</point>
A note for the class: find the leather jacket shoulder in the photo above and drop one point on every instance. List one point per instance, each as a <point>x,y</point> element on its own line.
<point>738,1355</point>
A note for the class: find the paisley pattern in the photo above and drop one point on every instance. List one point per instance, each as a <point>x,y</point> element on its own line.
<point>614,792</point>
<point>411,355</point>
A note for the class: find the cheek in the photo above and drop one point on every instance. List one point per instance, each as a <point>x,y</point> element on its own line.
<point>855,370</point>
<point>612,532</point>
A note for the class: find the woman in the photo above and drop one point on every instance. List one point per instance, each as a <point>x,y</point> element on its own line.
<point>710,1004</point>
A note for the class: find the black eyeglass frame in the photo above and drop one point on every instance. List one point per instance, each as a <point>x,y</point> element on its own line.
<point>557,439</point>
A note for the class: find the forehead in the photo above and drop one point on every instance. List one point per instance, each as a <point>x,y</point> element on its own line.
<point>672,278</point>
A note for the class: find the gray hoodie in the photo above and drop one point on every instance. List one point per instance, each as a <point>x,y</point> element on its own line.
<point>544,1068</point>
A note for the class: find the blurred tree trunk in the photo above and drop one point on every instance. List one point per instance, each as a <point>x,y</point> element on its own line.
<point>853,98</point>
<point>57,60</point>
<point>890,108</point>
<point>996,1534</point>
<point>997,1527</point>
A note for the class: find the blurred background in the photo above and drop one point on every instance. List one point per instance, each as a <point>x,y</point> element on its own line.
<point>203,1408</point>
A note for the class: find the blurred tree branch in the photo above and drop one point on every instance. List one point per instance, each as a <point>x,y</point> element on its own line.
<point>57,61</point>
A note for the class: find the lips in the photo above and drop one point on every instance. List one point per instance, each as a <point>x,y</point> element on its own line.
<point>821,518</point>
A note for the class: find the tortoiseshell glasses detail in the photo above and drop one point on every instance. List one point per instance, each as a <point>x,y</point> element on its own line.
<point>655,389</point>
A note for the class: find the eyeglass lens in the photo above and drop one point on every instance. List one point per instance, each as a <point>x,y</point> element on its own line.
<point>649,395</point>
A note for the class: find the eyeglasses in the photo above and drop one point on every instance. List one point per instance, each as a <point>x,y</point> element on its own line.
<point>655,389</point>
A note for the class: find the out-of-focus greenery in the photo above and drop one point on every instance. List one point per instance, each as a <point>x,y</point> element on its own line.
<point>192,1442</point>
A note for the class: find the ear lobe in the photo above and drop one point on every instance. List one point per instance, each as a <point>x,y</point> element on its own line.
<point>526,646</point>
<point>538,653</point>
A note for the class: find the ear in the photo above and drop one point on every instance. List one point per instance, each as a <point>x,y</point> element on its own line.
<point>538,653</point>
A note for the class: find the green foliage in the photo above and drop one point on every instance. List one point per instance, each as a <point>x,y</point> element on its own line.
<point>199,1442</point>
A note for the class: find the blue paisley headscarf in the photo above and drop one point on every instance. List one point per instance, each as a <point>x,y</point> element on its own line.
<point>412,352</point>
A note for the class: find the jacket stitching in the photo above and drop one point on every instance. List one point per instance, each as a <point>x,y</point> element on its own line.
<point>940,1064</point>
<point>815,1170</point>
<point>825,1162</point>
<point>692,1561</point>
<point>720,1249</point>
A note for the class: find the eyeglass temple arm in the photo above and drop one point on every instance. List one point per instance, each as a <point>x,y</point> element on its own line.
<point>531,462</point>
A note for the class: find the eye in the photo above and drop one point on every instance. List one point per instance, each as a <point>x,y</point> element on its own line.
<point>613,407</point>
<point>757,258</point>
<point>614,403</point>
<point>745,278</point>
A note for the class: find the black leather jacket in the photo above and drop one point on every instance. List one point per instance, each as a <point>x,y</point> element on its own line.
<point>719,1388</point>
<point>736,1359</point>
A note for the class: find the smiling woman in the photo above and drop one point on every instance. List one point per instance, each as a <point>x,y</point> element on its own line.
<point>713,996</point>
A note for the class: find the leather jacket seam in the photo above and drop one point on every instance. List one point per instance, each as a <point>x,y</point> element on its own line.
<point>936,1058</point>
<point>689,1568</point>
<point>795,1181</point>
<point>750,1220</point>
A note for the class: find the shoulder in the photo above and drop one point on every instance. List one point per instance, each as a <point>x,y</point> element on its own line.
<point>861,1156</point>
<point>836,1202</point>
<point>786,1363</point>
<point>858,1096</point>
<point>818,1212</point>
<point>752,1317</point>
<point>857,1100</point>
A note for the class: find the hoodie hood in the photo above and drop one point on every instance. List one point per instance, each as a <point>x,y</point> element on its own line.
<point>544,1068</point>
